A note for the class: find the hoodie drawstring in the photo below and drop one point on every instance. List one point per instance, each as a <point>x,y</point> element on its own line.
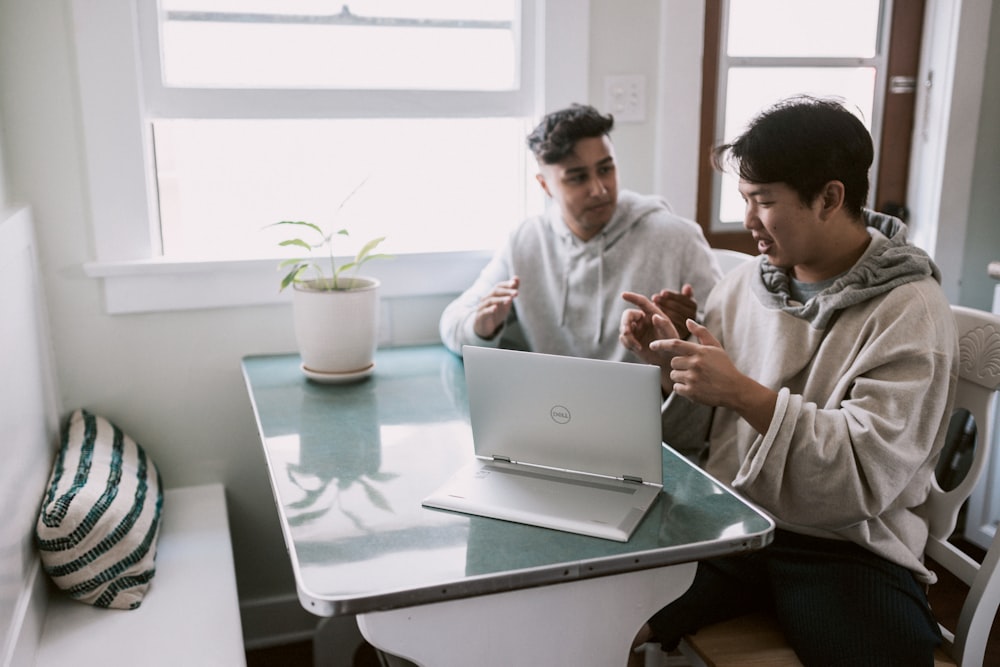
<point>600,290</point>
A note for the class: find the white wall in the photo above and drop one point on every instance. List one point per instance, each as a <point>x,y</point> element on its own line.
<point>613,54</point>
<point>172,380</point>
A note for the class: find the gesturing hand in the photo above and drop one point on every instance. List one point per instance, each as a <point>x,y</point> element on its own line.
<point>701,371</point>
<point>641,326</point>
<point>679,307</point>
<point>495,307</point>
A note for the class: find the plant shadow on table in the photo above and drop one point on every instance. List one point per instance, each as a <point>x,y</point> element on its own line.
<point>331,463</point>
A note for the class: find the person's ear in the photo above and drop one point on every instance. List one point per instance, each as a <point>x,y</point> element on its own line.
<point>831,199</point>
<point>540,177</point>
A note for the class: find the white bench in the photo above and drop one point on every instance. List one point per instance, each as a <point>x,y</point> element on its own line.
<point>190,615</point>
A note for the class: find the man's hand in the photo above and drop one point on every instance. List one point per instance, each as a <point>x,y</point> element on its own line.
<point>643,325</point>
<point>495,307</point>
<point>678,306</point>
<point>703,372</point>
<point>700,371</point>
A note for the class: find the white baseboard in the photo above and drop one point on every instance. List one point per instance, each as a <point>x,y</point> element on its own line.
<point>274,621</point>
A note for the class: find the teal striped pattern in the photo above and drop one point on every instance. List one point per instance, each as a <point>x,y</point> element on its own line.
<point>100,517</point>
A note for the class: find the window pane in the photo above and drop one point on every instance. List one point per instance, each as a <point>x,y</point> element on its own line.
<point>752,89</point>
<point>368,44</point>
<point>428,185</point>
<point>803,28</point>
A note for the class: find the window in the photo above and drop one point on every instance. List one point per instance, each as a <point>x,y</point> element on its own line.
<point>207,120</point>
<point>435,178</point>
<point>770,49</point>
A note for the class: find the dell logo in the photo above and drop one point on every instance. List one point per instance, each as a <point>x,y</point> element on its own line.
<point>560,414</point>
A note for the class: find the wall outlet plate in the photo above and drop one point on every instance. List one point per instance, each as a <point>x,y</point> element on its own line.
<point>625,97</point>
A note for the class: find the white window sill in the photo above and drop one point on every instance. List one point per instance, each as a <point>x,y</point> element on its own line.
<point>144,286</point>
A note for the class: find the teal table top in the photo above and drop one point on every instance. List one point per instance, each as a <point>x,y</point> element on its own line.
<point>349,465</point>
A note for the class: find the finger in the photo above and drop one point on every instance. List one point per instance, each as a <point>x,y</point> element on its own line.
<point>503,291</point>
<point>666,299</point>
<point>703,335</point>
<point>643,303</point>
<point>675,346</point>
<point>630,319</point>
<point>687,290</point>
<point>494,301</point>
<point>664,327</point>
<point>679,310</point>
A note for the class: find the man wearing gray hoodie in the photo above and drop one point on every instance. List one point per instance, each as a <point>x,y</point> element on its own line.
<point>556,285</point>
<point>821,383</point>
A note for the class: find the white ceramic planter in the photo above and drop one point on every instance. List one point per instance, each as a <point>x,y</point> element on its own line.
<point>337,330</point>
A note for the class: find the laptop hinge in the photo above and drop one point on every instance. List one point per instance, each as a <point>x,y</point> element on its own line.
<point>504,459</point>
<point>632,478</point>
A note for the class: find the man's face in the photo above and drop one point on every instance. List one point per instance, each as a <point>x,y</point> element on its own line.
<point>789,232</point>
<point>584,185</point>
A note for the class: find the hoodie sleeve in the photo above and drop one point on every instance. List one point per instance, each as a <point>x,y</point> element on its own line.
<point>458,319</point>
<point>872,442</point>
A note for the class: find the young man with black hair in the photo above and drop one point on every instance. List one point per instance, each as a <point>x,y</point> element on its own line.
<point>821,383</point>
<point>555,286</point>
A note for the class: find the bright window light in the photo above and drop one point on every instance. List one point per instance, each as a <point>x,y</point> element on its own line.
<point>803,28</point>
<point>421,100</point>
<point>416,45</point>
<point>428,185</point>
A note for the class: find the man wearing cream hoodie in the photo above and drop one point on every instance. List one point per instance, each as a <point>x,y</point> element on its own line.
<point>556,285</point>
<point>822,382</point>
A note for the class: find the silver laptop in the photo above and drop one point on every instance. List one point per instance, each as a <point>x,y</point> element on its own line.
<point>561,442</point>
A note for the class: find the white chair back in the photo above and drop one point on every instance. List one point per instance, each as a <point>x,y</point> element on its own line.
<point>977,392</point>
<point>730,259</point>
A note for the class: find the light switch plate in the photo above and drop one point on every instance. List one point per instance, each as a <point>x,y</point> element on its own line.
<point>625,97</point>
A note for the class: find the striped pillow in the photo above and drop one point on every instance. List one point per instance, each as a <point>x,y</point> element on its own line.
<point>100,516</point>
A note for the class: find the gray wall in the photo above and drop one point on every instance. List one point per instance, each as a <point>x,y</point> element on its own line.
<point>982,240</point>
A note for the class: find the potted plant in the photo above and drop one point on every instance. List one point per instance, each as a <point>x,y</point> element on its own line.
<point>336,315</point>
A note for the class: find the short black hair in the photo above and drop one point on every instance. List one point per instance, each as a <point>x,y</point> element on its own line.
<point>554,138</point>
<point>804,142</point>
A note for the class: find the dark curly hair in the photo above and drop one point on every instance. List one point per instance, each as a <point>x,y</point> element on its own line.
<point>554,138</point>
<point>804,142</point>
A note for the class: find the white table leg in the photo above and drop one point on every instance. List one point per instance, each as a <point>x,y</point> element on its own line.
<point>580,623</point>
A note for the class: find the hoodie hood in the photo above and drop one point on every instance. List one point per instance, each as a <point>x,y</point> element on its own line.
<point>630,211</point>
<point>889,261</point>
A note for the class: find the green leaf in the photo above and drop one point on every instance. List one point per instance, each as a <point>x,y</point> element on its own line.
<point>291,276</point>
<point>343,267</point>
<point>300,223</point>
<point>296,242</point>
<point>367,248</point>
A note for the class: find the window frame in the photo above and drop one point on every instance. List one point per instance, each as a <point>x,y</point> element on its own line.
<point>117,98</point>
<point>879,62</point>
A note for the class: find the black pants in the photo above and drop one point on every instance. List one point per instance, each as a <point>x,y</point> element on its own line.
<point>836,602</point>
